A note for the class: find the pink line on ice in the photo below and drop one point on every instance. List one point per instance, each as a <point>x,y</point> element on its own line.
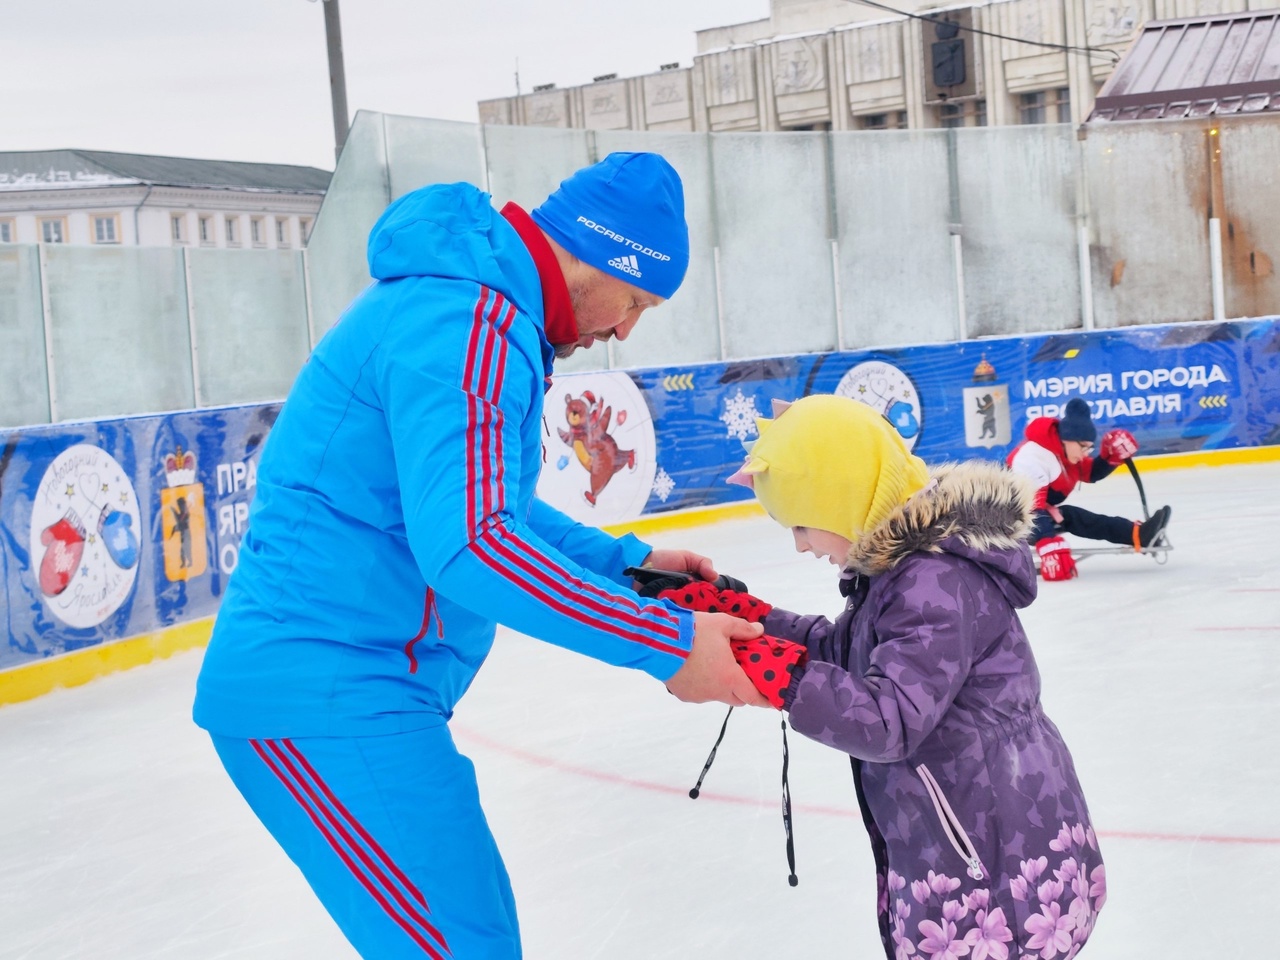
<point>551,763</point>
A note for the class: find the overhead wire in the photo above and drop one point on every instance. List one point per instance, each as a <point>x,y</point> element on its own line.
<point>1111,55</point>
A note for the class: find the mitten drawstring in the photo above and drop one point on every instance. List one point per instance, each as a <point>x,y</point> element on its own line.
<point>786,809</point>
<point>711,757</point>
<point>792,879</point>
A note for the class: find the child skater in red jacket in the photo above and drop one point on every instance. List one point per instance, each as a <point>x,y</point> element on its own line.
<point>1058,454</point>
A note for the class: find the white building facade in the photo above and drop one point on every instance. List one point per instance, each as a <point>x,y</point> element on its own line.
<point>846,65</point>
<point>95,197</point>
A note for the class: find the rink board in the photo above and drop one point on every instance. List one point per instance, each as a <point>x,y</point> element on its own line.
<point>123,532</point>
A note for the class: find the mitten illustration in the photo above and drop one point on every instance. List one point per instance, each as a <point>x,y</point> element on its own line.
<point>116,529</point>
<point>65,542</point>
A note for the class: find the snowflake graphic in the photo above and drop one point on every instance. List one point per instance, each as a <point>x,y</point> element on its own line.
<point>663,484</point>
<point>740,416</point>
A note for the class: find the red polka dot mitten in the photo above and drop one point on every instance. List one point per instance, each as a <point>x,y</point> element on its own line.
<point>703,596</point>
<point>770,663</point>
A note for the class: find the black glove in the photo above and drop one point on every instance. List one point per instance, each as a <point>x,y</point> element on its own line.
<point>653,582</point>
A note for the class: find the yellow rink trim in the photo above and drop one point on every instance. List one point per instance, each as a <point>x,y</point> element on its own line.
<point>33,680</point>
<point>72,669</point>
<point>1208,458</point>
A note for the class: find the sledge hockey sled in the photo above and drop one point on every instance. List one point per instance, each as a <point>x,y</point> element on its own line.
<point>1158,548</point>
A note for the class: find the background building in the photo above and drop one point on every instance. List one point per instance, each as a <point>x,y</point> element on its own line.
<point>852,65</point>
<point>94,197</point>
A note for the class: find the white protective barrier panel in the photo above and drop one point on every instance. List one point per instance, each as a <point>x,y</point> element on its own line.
<point>24,385</point>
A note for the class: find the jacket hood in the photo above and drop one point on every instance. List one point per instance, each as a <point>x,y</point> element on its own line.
<point>975,510</point>
<point>1044,431</point>
<point>452,231</point>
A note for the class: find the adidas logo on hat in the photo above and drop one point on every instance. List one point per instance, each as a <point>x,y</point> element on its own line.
<point>626,264</point>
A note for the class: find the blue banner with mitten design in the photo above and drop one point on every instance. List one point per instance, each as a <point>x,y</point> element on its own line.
<point>114,528</point>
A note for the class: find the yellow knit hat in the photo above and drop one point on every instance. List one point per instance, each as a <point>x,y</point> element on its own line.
<point>830,463</point>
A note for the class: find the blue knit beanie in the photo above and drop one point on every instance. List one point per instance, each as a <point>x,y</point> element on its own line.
<point>625,217</point>
<point>1076,423</point>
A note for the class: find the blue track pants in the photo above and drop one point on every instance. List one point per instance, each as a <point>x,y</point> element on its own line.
<point>389,833</point>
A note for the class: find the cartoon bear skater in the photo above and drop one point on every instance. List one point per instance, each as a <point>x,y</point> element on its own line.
<point>588,434</point>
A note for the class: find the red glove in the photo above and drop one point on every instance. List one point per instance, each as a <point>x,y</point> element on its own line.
<point>703,596</point>
<point>770,663</point>
<point>1118,446</point>
<point>1056,562</point>
<point>65,540</point>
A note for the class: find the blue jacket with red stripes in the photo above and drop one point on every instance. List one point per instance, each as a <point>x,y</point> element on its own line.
<point>395,523</point>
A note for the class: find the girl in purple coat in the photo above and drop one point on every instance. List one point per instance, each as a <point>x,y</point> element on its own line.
<point>981,836</point>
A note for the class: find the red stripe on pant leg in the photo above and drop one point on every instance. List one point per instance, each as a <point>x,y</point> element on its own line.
<point>356,825</point>
<point>403,923</point>
<point>360,852</point>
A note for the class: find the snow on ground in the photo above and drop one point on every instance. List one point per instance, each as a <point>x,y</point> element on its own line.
<point>120,838</point>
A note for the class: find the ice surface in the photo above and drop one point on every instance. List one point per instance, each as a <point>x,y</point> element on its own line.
<point>121,838</point>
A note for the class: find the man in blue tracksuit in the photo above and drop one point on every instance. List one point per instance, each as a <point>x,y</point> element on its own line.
<point>395,525</point>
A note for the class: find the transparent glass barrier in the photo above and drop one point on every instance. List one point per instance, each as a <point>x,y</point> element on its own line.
<point>120,338</point>
<point>24,385</point>
<point>420,152</point>
<point>772,207</point>
<point>1018,188</point>
<point>357,195</point>
<point>897,284</point>
<point>685,329</point>
<point>1251,216</point>
<point>1148,209</point>
<point>526,164</point>
<point>249,310</point>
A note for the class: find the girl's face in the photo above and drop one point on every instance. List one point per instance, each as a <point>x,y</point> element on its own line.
<point>822,543</point>
<point>1076,451</point>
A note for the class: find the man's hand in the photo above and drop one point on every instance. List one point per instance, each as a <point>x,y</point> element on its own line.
<point>710,673</point>
<point>682,560</point>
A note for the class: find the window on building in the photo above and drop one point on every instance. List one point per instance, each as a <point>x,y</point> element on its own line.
<point>257,232</point>
<point>233,230</point>
<point>282,231</point>
<point>896,120</point>
<point>206,230</point>
<point>962,113</point>
<point>53,230</point>
<point>951,115</point>
<point>1045,106</point>
<point>1031,107</point>
<point>304,230</point>
<point>178,227</point>
<point>7,231</point>
<point>1063,98</point>
<point>106,228</point>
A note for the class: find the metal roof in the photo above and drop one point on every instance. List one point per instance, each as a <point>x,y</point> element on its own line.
<point>67,169</point>
<point>1195,67</point>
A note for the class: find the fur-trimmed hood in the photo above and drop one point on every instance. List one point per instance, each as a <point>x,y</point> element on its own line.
<point>977,510</point>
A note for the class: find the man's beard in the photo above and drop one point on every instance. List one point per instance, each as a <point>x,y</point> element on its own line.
<point>565,350</point>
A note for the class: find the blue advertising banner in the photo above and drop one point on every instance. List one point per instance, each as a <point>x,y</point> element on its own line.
<point>115,528</point>
<point>1177,388</point>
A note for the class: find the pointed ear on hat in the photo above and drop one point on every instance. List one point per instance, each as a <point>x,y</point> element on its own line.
<point>780,407</point>
<point>747,473</point>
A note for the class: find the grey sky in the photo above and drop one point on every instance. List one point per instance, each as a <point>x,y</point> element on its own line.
<point>248,79</point>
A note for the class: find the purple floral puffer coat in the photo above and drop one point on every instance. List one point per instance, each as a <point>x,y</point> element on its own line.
<point>981,836</point>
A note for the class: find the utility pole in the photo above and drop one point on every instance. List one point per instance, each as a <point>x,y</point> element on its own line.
<point>337,75</point>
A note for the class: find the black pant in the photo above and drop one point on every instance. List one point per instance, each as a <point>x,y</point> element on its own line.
<point>1083,523</point>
